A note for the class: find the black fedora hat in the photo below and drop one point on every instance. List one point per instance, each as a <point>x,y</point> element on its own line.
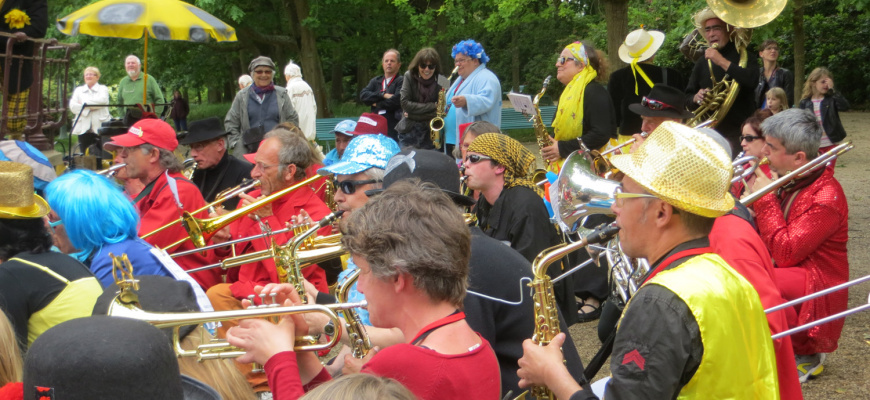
<point>202,130</point>
<point>102,357</point>
<point>662,101</point>
<point>429,166</point>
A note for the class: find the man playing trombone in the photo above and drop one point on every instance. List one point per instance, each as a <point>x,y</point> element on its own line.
<point>216,169</point>
<point>805,226</point>
<point>147,149</point>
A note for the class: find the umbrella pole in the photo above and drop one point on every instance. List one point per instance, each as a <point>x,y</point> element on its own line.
<point>145,82</point>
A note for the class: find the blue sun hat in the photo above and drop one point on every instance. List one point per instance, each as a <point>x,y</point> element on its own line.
<point>362,153</point>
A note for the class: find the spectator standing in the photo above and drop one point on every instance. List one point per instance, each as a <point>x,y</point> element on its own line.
<point>383,92</point>
<point>179,112</point>
<point>91,93</point>
<point>770,75</point>
<point>302,98</point>
<point>420,88</point>
<point>132,86</point>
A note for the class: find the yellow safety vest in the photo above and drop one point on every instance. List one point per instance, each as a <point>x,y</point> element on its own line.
<point>76,300</point>
<point>738,360</point>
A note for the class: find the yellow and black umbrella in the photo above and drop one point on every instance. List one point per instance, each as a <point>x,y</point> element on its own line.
<point>160,19</point>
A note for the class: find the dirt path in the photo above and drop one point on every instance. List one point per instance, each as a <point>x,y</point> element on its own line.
<point>847,375</point>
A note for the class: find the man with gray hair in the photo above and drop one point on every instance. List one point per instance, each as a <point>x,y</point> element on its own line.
<point>245,81</point>
<point>383,93</point>
<point>805,225</point>
<point>132,86</point>
<point>147,149</point>
<point>302,98</point>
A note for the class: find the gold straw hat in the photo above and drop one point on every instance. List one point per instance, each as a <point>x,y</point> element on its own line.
<point>684,167</point>
<point>17,200</point>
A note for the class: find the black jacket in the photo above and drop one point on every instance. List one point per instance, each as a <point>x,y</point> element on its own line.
<point>37,10</point>
<point>621,88</point>
<point>599,121</point>
<point>228,172</point>
<point>831,107</point>
<point>373,95</point>
<point>781,77</point>
<point>496,271</point>
<point>744,104</point>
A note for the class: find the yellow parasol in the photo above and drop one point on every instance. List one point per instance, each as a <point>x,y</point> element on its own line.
<point>160,19</point>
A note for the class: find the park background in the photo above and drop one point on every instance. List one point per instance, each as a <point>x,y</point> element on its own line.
<point>339,43</point>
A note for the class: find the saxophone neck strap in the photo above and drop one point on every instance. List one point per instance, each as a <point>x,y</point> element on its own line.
<point>428,329</point>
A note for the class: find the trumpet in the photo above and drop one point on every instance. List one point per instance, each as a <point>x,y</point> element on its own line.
<point>819,162</point>
<point>201,230</point>
<point>111,171</point>
<point>221,197</point>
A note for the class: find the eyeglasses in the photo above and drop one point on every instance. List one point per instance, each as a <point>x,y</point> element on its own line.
<point>562,60</point>
<point>427,66</point>
<point>263,71</point>
<point>263,166</point>
<point>349,187</point>
<point>125,151</point>
<point>461,60</point>
<point>55,223</point>
<point>655,104</point>
<point>476,158</point>
<point>750,138</point>
<point>620,196</point>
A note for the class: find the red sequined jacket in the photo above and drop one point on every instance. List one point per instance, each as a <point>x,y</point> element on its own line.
<point>807,226</point>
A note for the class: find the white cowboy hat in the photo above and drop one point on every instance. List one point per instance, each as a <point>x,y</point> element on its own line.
<point>642,44</point>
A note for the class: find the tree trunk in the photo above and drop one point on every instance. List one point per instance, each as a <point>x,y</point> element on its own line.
<point>362,75</point>
<point>310,60</point>
<point>515,59</point>
<point>214,94</point>
<point>616,16</point>
<point>337,84</point>
<point>799,50</point>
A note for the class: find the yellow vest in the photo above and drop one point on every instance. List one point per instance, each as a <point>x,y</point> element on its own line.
<point>738,360</point>
<point>76,300</point>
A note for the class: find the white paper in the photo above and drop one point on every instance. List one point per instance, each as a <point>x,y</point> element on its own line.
<point>522,103</point>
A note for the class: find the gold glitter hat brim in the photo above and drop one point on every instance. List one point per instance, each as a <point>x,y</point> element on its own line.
<point>683,167</point>
<point>38,209</point>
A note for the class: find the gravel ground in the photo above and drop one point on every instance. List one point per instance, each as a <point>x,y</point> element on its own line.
<point>846,375</point>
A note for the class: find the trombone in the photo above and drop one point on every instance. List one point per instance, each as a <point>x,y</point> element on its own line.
<point>819,162</point>
<point>111,171</point>
<point>223,196</point>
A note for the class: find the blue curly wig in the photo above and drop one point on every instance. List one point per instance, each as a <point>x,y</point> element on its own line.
<point>93,209</point>
<point>472,49</point>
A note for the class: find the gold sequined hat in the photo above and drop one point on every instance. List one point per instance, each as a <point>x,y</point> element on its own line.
<point>683,167</point>
<point>17,200</point>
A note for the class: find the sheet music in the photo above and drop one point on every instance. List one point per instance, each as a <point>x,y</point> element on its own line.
<point>522,103</point>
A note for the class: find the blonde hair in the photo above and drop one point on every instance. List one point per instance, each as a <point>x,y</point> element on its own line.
<point>360,386</point>
<point>94,70</point>
<point>779,94</point>
<point>220,374</point>
<point>10,354</point>
<point>814,77</point>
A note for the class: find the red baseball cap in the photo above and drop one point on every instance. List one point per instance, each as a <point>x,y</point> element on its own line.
<point>462,128</point>
<point>370,124</point>
<point>250,157</point>
<point>152,131</point>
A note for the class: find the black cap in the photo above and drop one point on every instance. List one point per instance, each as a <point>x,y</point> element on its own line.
<point>429,166</point>
<point>671,96</point>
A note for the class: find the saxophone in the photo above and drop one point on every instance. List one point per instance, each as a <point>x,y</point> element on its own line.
<point>546,310</point>
<point>288,262</point>
<point>436,125</point>
<point>359,340</point>
<point>541,133</point>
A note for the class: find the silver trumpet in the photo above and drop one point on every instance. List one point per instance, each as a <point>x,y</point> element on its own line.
<point>111,171</point>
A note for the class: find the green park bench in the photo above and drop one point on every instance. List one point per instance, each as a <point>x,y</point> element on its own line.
<point>510,120</point>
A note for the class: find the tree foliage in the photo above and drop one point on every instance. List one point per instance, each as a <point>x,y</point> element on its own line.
<point>522,37</point>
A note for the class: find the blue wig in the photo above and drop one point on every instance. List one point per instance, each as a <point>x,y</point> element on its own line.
<point>472,49</point>
<point>93,209</point>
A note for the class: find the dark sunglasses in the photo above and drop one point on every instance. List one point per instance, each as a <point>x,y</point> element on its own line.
<point>562,60</point>
<point>655,104</point>
<point>349,187</point>
<point>476,158</point>
<point>428,66</point>
<point>750,138</point>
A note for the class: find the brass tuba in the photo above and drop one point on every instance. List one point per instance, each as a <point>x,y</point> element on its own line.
<point>436,125</point>
<point>742,15</point>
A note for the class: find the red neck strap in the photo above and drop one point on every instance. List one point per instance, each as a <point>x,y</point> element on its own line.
<point>676,256</point>
<point>456,316</point>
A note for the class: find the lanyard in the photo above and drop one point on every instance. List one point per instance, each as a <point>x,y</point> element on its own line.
<point>386,83</point>
<point>455,316</point>
<point>676,256</point>
<point>461,81</point>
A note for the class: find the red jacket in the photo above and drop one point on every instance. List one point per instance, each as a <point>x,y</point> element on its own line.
<point>807,226</point>
<point>246,277</point>
<point>734,239</point>
<point>157,206</point>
